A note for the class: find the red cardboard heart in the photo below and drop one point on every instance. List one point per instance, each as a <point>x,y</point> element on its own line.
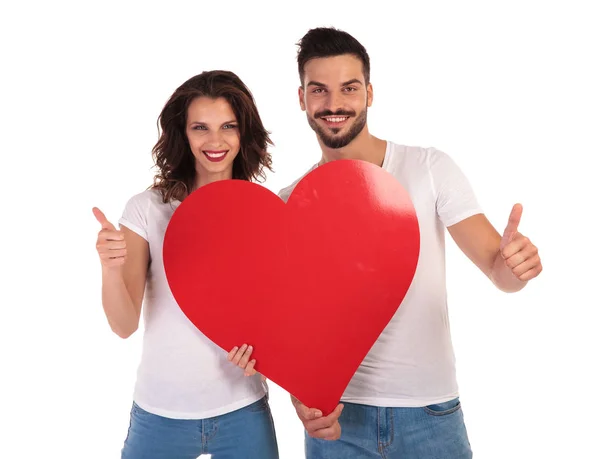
<point>309,284</point>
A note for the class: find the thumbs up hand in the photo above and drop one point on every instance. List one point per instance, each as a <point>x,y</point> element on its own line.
<point>518,252</point>
<point>111,243</point>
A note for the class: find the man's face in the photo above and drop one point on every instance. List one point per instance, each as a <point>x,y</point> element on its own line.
<point>335,98</point>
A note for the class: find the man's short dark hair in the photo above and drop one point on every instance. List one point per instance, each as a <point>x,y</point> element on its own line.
<point>329,42</point>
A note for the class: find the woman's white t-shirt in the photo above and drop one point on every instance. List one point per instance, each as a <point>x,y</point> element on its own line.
<point>182,374</point>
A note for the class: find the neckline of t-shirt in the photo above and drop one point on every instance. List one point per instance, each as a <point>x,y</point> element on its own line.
<point>384,165</point>
<point>386,158</point>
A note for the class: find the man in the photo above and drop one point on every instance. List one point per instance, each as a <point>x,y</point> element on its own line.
<point>403,400</point>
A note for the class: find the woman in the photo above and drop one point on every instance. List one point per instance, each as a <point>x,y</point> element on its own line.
<point>188,400</point>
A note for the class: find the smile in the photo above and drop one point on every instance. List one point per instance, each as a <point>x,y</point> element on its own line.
<point>215,156</point>
<point>335,119</point>
<point>335,122</point>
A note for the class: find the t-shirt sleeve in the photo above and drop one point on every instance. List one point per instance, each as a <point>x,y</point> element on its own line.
<point>135,214</point>
<point>455,199</point>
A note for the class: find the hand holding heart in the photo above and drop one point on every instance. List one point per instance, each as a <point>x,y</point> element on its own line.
<point>240,356</point>
<point>319,426</point>
<point>518,252</point>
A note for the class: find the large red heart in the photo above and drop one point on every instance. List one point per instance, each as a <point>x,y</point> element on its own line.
<point>310,284</point>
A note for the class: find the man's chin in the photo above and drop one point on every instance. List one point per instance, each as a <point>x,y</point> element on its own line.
<point>331,134</point>
<point>332,137</point>
<point>335,142</point>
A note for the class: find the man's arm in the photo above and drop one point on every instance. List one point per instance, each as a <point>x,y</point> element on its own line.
<point>509,261</point>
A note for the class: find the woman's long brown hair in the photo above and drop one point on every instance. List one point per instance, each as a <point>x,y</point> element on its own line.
<point>172,155</point>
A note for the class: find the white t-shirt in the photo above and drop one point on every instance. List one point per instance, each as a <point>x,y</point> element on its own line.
<point>182,374</point>
<point>412,363</point>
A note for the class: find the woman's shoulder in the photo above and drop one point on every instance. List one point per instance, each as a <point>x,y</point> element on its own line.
<point>149,196</point>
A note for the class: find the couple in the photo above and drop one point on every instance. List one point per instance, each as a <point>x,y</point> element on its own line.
<point>190,397</point>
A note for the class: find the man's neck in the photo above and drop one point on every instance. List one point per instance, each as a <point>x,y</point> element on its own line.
<point>365,147</point>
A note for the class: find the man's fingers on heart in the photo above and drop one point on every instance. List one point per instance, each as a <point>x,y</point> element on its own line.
<point>323,422</point>
<point>330,433</point>
<point>335,433</point>
<point>320,423</point>
<point>307,414</point>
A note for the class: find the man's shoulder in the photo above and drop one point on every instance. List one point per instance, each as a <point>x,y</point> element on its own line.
<point>400,149</point>
<point>414,155</point>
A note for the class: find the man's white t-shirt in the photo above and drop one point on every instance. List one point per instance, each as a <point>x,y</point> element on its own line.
<point>182,374</point>
<point>412,363</point>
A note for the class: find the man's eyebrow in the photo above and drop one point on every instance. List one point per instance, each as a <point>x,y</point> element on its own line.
<point>323,85</point>
<point>352,81</point>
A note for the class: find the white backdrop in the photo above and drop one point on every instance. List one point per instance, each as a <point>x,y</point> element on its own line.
<point>509,90</point>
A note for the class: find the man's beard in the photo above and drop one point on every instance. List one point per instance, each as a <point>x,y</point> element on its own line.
<point>333,141</point>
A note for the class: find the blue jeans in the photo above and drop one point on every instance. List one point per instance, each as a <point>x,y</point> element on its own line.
<point>245,433</point>
<point>369,432</point>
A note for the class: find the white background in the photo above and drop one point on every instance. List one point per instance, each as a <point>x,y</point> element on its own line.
<point>508,89</point>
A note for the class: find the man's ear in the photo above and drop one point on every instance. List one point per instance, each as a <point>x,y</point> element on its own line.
<point>369,95</point>
<point>301,98</point>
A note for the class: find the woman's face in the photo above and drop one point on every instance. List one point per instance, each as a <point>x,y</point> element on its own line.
<point>214,137</point>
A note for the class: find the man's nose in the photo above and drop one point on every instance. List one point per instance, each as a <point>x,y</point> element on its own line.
<point>335,101</point>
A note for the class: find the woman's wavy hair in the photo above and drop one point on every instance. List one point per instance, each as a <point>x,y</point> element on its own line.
<point>172,154</point>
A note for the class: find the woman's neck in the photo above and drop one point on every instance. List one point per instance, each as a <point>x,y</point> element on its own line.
<point>204,178</point>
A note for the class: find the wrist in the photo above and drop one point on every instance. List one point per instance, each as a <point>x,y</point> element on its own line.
<point>503,277</point>
<point>112,272</point>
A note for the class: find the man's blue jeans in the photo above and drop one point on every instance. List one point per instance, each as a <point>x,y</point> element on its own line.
<point>370,432</point>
